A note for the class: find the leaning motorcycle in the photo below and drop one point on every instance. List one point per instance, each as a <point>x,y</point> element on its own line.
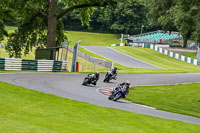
<point>88,80</point>
<point>109,76</point>
<point>117,94</point>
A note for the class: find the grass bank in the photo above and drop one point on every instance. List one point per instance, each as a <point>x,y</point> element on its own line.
<point>189,54</point>
<point>182,98</point>
<point>92,39</point>
<point>169,64</point>
<point>24,110</point>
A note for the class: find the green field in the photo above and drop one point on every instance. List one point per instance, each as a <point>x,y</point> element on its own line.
<point>88,38</point>
<point>31,55</point>
<point>169,64</point>
<point>191,55</point>
<point>92,39</point>
<point>24,110</point>
<point>183,98</point>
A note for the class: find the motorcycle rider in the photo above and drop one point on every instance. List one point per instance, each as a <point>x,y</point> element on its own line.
<point>94,77</point>
<point>123,85</point>
<point>112,73</point>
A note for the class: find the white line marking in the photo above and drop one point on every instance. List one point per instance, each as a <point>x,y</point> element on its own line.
<point>145,106</point>
<point>137,59</point>
<point>7,73</point>
<point>168,84</point>
<point>123,54</point>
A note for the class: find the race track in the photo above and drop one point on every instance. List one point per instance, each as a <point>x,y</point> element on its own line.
<point>69,86</point>
<point>119,57</point>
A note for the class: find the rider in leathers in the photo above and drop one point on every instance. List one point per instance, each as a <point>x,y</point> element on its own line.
<point>94,77</point>
<point>125,86</point>
<point>113,73</point>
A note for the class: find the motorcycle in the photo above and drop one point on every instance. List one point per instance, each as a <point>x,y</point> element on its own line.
<point>117,93</point>
<point>89,80</point>
<point>109,76</point>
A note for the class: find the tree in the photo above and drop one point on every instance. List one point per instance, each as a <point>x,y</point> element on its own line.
<point>126,18</point>
<point>6,14</point>
<point>181,14</point>
<point>161,14</point>
<point>40,22</point>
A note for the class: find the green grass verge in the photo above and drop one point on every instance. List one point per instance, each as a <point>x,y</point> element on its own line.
<point>189,54</point>
<point>92,39</point>
<point>24,110</point>
<point>182,98</point>
<point>148,55</point>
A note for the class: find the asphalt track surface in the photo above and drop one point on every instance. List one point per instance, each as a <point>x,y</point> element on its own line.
<point>119,57</point>
<point>68,85</point>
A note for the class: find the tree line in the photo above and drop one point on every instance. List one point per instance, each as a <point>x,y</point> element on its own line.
<point>42,23</point>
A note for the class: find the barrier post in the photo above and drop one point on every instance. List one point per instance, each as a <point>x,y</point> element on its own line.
<point>77,66</point>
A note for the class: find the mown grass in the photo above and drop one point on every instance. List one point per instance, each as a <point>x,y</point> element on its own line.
<point>92,39</point>
<point>189,54</point>
<point>4,54</point>
<point>88,38</point>
<point>182,98</point>
<point>169,64</point>
<point>24,110</point>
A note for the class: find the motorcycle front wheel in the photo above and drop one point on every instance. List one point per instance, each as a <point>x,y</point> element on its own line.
<point>85,82</point>
<point>117,96</point>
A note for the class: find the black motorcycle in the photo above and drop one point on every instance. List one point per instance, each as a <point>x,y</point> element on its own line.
<point>117,93</point>
<point>89,80</point>
<point>109,76</point>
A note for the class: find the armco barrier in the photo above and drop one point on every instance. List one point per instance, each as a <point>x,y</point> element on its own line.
<point>45,65</point>
<point>13,64</point>
<point>29,65</point>
<point>57,65</point>
<point>2,64</point>
<point>94,60</point>
<point>175,55</point>
<point>32,65</point>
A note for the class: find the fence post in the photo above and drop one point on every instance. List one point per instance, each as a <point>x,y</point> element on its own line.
<point>77,66</point>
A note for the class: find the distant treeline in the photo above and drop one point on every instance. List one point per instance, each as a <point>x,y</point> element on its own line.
<point>127,17</point>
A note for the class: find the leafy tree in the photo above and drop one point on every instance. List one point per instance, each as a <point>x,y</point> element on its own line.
<point>6,14</point>
<point>40,22</point>
<point>161,13</point>
<point>126,18</point>
<point>180,14</point>
<point>184,20</point>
